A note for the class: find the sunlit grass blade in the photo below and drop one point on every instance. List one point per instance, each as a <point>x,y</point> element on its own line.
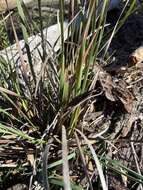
<point>63,83</point>
<point>121,20</point>
<point>14,131</point>
<point>74,119</point>
<point>98,164</point>
<point>117,167</point>
<point>67,185</point>
<point>60,162</point>
<point>58,181</point>
<point>83,161</point>
<point>5,113</point>
<point>25,36</point>
<point>8,92</point>
<point>19,110</point>
<point>45,167</point>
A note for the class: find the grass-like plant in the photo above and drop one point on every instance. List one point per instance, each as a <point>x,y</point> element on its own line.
<point>41,115</point>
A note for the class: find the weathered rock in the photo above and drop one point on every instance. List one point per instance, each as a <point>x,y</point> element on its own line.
<point>51,36</point>
<point>29,3</point>
<point>52,42</point>
<point>12,3</point>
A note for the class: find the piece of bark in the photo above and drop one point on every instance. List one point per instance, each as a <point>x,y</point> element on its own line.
<point>29,3</point>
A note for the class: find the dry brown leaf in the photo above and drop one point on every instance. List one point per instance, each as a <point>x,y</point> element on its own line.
<point>30,158</point>
<point>89,163</point>
<point>18,186</point>
<point>107,84</point>
<point>8,92</point>
<point>124,95</point>
<point>129,124</point>
<point>4,141</point>
<point>116,89</point>
<point>137,56</point>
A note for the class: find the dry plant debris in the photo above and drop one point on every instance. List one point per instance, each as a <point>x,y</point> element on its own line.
<point>137,56</point>
<point>116,89</point>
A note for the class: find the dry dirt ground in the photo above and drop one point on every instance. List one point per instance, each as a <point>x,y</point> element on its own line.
<point>128,126</point>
